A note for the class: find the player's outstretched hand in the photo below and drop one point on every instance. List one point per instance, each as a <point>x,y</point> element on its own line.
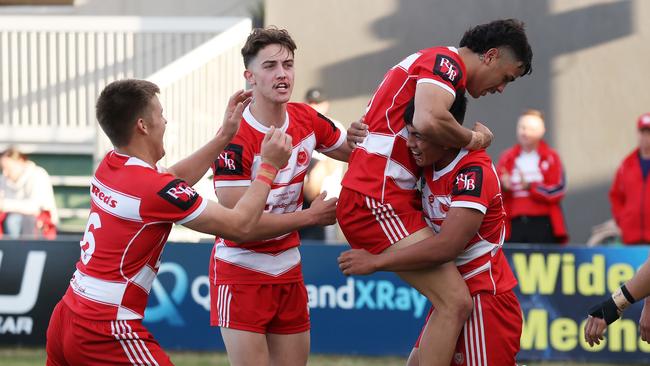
<point>600,316</point>
<point>357,262</point>
<point>323,211</point>
<point>276,148</point>
<point>357,133</point>
<point>232,116</point>
<point>594,330</point>
<point>486,135</point>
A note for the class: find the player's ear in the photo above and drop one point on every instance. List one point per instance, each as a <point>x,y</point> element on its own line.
<point>250,78</point>
<point>490,55</point>
<point>141,126</point>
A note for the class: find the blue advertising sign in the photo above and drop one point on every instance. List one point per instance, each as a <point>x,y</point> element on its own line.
<point>381,315</point>
<point>372,315</point>
<point>556,288</point>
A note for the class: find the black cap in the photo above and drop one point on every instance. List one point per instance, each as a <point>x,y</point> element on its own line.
<point>315,95</point>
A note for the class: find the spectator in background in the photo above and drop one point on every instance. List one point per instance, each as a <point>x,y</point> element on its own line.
<point>630,192</point>
<point>533,185</point>
<point>26,198</point>
<point>323,175</point>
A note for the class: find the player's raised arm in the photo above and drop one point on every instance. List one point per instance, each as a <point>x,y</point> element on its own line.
<point>456,231</point>
<point>433,119</point>
<point>193,167</point>
<point>238,222</point>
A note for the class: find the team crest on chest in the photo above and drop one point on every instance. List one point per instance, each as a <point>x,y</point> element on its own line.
<point>302,158</point>
<point>438,206</point>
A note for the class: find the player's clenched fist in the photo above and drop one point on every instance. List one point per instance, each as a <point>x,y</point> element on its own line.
<point>357,262</point>
<point>276,148</point>
<point>323,211</point>
<point>233,115</point>
<point>481,137</point>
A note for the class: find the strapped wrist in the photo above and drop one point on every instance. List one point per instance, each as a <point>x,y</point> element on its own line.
<point>622,298</point>
<point>476,142</point>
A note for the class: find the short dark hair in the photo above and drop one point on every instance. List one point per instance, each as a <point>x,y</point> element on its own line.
<point>262,37</point>
<point>120,105</point>
<point>508,33</point>
<point>457,109</point>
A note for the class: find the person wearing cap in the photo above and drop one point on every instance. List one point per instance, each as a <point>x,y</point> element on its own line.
<point>317,99</point>
<point>630,191</point>
<point>533,184</point>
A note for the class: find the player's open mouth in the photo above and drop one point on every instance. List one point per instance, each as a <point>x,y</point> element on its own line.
<point>416,154</point>
<point>281,86</point>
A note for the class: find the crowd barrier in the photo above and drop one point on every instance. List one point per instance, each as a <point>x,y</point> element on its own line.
<point>369,315</point>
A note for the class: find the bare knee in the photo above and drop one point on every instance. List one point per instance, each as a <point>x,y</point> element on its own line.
<point>456,305</point>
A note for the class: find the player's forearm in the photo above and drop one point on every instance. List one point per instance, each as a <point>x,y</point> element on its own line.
<point>193,167</point>
<point>341,154</point>
<point>639,285</point>
<point>426,254</point>
<point>250,209</point>
<point>273,225</point>
<point>442,129</point>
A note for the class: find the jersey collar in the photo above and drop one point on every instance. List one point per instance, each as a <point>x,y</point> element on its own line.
<point>250,119</point>
<point>437,174</point>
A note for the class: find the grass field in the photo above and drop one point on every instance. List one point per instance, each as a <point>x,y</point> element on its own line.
<point>29,357</point>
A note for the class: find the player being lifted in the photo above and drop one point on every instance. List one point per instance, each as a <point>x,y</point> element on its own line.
<point>462,203</point>
<point>134,203</point>
<point>379,209</point>
<point>258,295</point>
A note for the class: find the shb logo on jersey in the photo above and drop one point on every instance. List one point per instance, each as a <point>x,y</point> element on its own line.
<point>448,69</point>
<point>469,181</point>
<point>179,193</point>
<point>230,161</point>
<point>466,182</point>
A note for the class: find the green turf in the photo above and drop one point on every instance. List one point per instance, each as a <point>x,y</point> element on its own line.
<point>29,357</point>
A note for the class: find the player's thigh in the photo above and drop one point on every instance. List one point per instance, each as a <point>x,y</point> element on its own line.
<point>54,344</point>
<point>289,349</point>
<point>441,284</point>
<point>414,358</point>
<point>245,348</point>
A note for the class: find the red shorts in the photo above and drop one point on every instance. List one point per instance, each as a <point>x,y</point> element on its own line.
<point>374,226</point>
<point>501,316</point>
<point>73,340</point>
<point>265,308</point>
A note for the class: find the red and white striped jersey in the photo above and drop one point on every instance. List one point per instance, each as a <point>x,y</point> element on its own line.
<point>133,206</point>
<point>470,181</point>
<point>382,167</point>
<point>275,260</point>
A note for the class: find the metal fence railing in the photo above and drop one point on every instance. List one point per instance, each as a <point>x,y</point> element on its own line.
<point>53,67</point>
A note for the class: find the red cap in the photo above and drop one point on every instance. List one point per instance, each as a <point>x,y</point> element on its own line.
<point>644,121</point>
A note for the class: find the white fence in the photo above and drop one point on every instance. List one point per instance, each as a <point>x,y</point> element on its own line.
<point>53,67</point>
